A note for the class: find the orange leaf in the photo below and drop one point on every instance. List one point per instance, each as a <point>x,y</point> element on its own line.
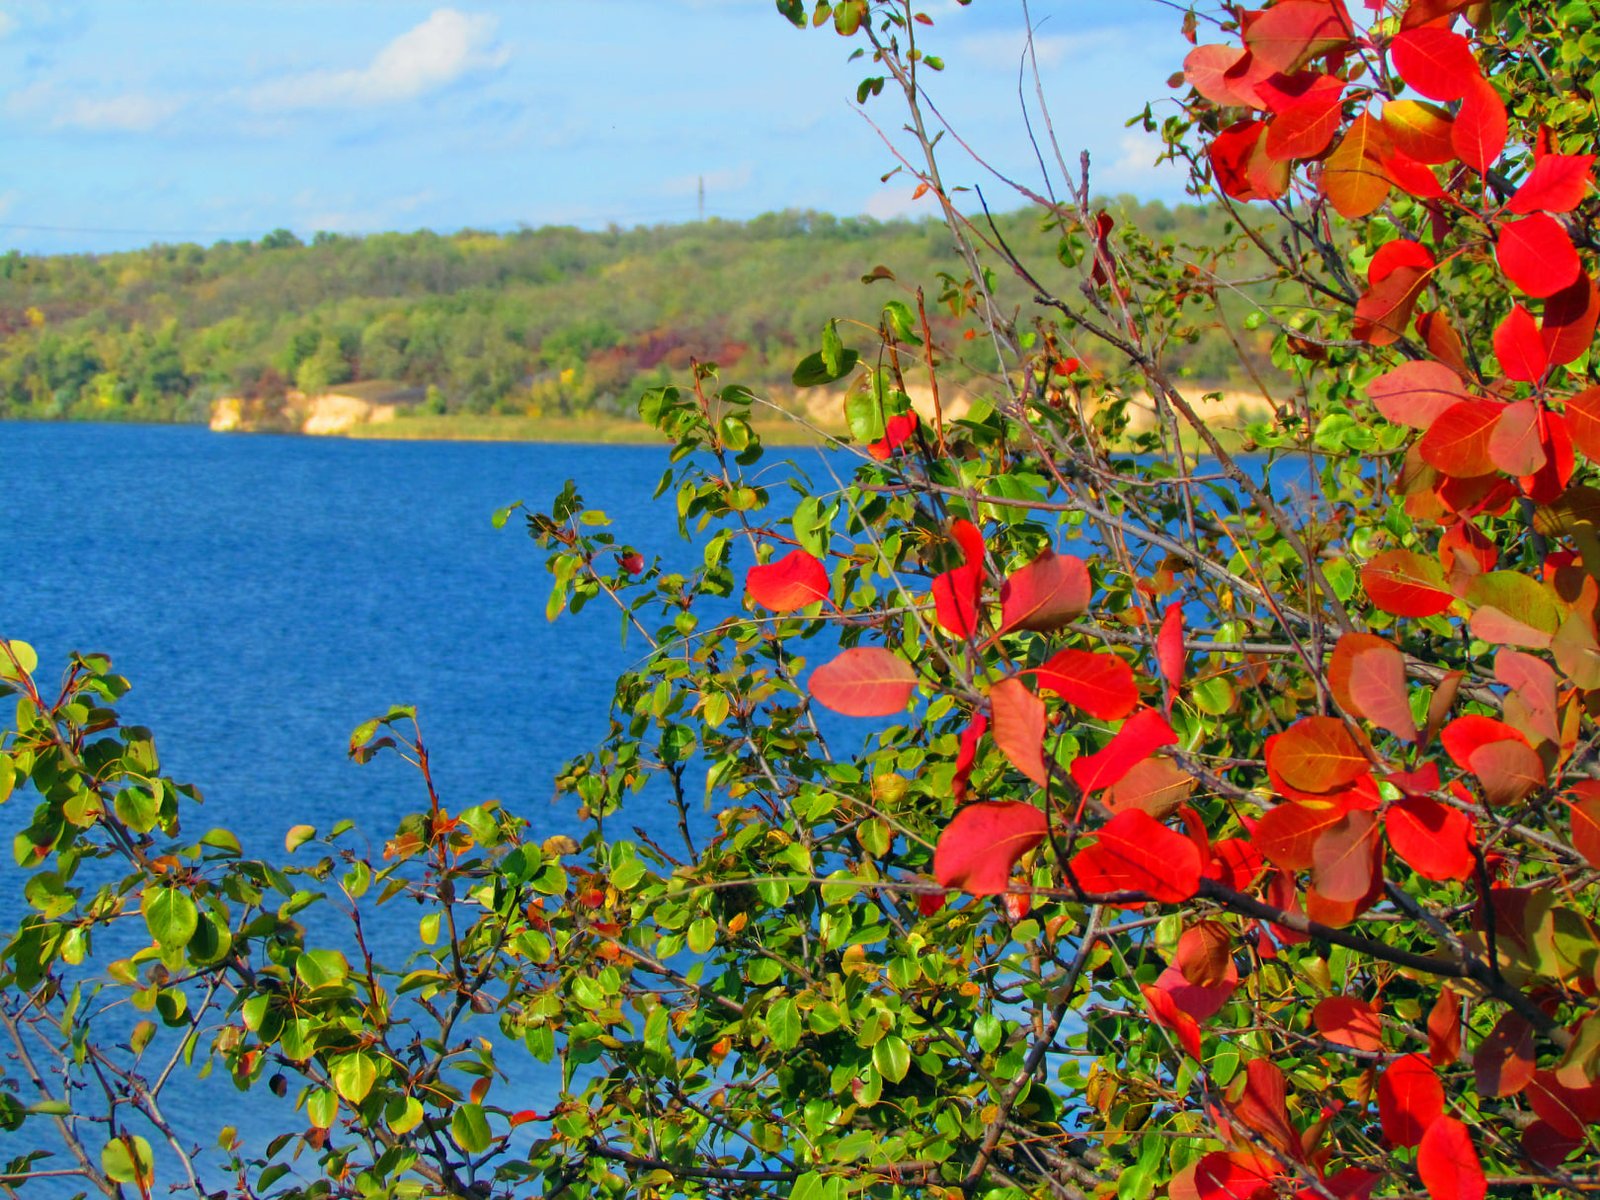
<point>1019,724</point>
<point>1415,393</point>
<point>1317,754</point>
<point>1368,678</point>
<point>1349,1022</point>
<point>864,681</point>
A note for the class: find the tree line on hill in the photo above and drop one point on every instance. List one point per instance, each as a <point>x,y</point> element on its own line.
<point>536,321</point>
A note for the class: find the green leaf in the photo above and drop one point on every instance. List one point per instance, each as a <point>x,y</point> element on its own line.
<point>813,372</point>
<point>321,968</point>
<point>403,1113</point>
<point>469,1126</point>
<point>783,1024</point>
<point>322,1107</point>
<point>299,835</point>
<point>353,1075</point>
<point>892,1057</point>
<point>128,1160</point>
<point>170,915</point>
<point>26,658</point>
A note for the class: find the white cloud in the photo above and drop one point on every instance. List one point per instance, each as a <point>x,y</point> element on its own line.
<point>7,23</point>
<point>447,46</point>
<point>1135,167</point>
<point>1003,49</point>
<point>888,203</point>
<point>127,112</point>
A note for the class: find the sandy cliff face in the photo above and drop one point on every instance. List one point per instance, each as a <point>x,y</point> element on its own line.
<point>328,413</point>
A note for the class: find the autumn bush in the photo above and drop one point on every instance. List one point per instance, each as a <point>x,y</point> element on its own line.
<point>1096,812</point>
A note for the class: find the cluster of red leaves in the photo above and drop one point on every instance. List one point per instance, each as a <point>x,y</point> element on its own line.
<point>1317,102</point>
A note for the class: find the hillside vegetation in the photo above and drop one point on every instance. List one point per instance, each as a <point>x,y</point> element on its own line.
<point>551,321</point>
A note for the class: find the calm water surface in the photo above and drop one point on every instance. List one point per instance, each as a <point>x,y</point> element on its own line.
<point>266,594</point>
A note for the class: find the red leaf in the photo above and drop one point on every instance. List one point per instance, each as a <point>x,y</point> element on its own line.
<point>1206,70</point>
<point>1287,834</point>
<point>1536,254</point>
<point>1435,62</point>
<point>1570,1110</point>
<point>1344,858</point>
<point>897,430</point>
<point>1442,341</point>
<point>1515,446</point>
<point>1508,771</point>
<point>956,592</point>
<point>1396,277</point>
<point>1099,683</point>
<point>1045,594</point>
<point>1141,735</point>
<point>1415,393</point>
<point>1349,1022</point>
<point>1263,1106</point>
<point>1530,708</point>
<point>1136,853</point>
<point>1169,645</point>
<point>1586,828</point>
<point>1519,347</point>
<point>1165,1012</point>
<point>1457,443</point>
<point>1479,132</point>
<point>1019,723</point>
<point>1240,164</point>
<point>1317,754</point>
<point>1433,839</point>
<point>1368,678</point>
<point>1547,1145</point>
<point>864,681</point>
<point>1557,183</point>
<point>1583,419</point>
<point>1235,863</point>
<point>967,754</point>
<point>788,584</point>
<point>1447,1163</point>
<point>978,849</point>
<point>1465,735</point>
<point>1569,321</point>
<point>1444,1029</point>
<point>1406,584</point>
<point>1410,1098</point>
<point>1237,1176</point>
<point>1503,1063</point>
<point>1288,35</point>
<point>1303,130</point>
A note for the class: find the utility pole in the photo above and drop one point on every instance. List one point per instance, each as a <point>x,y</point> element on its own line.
<point>702,198</point>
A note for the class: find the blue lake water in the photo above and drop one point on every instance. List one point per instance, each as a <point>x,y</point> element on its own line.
<point>266,594</point>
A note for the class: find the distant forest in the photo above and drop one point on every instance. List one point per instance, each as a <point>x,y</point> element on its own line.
<point>534,321</point>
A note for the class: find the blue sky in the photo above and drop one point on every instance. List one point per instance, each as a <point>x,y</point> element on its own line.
<point>132,121</point>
